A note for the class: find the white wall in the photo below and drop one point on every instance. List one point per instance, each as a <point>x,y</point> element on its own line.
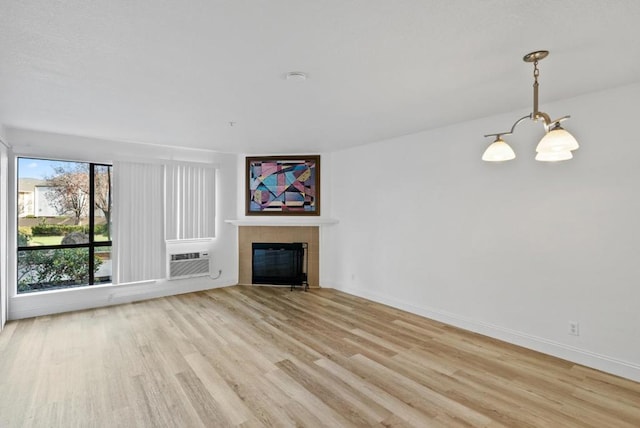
<point>4,174</point>
<point>513,250</point>
<point>223,249</point>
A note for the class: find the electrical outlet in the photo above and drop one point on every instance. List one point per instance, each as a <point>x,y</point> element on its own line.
<point>574,328</point>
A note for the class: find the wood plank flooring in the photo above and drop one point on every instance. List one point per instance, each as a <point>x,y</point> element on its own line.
<point>259,356</point>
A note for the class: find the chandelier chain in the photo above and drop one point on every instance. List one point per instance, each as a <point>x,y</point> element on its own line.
<point>536,71</point>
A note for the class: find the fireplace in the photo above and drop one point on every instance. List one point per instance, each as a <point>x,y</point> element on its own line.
<point>279,264</point>
<point>248,235</point>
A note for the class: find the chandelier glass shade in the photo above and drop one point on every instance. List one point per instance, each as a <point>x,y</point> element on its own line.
<point>557,140</point>
<point>554,156</point>
<point>498,151</point>
<point>556,145</point>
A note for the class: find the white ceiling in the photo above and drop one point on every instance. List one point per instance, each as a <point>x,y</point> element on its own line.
<point>177,72</point>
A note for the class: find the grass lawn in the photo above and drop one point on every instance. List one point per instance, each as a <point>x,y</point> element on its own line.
<point>45,240</point>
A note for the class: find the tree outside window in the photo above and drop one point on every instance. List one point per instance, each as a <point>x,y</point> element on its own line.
<point>69,190</point>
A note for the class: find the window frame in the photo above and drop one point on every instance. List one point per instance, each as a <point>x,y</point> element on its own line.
<point>91,245</point>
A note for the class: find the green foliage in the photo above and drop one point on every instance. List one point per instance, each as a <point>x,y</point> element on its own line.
<point>42,269</point>
<point>57,229</point>
<point>24,236</point>
<point>102,229</point>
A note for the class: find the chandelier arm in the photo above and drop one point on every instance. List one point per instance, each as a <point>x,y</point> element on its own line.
<point>562,119</point>
<point>548,123</point>
<point>542,115</point>
<point>500,134</point>
<point>529,116</point>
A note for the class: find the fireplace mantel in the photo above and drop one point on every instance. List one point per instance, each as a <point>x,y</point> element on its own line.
<point>283,221</point>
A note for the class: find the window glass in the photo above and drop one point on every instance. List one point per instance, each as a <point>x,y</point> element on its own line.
<point>51,269</point>
<point>64,216</point>
<point>102,203</point>
<point>103,270</point>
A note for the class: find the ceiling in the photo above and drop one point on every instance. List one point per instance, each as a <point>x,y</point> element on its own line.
<point>177,73</point>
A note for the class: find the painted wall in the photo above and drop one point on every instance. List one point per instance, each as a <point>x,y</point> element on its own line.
<point>223,249</point>
<point>513,250</point>
<point>4,175</point>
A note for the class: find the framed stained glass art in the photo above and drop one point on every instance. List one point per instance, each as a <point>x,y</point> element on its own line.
<point>283,185</point>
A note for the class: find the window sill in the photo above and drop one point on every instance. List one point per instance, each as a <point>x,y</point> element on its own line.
<point>82,288</point>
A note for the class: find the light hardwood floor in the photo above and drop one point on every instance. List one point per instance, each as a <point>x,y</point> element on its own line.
<point>258,356</point>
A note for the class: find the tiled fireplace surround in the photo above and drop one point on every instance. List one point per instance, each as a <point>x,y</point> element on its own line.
<point>287,234</point>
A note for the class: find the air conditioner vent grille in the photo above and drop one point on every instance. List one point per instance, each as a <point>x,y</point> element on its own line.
<point>186,265</point>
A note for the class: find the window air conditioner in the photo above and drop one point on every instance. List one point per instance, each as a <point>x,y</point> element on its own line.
<point>187,265</point>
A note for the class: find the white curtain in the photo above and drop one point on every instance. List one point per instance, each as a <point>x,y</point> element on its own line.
<point>190,201</point>
<point>138,243</point>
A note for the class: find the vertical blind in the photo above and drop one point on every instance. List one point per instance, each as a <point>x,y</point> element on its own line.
<point>190,201</point>
<point>139,247</point>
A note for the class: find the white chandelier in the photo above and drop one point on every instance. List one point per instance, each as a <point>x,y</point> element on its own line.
<point>556,145</point>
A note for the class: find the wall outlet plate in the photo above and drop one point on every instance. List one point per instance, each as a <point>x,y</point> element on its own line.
<point>574,328</point>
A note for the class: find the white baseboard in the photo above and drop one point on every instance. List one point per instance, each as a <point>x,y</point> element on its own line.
<point>584,357</point>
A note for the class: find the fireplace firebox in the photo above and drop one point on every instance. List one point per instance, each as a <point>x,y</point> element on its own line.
<point>279,264</point>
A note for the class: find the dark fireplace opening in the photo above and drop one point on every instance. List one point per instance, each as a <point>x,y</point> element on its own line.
<point>279,264</point>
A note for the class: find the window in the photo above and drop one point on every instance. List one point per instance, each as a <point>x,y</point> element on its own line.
<point>64,224</point>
